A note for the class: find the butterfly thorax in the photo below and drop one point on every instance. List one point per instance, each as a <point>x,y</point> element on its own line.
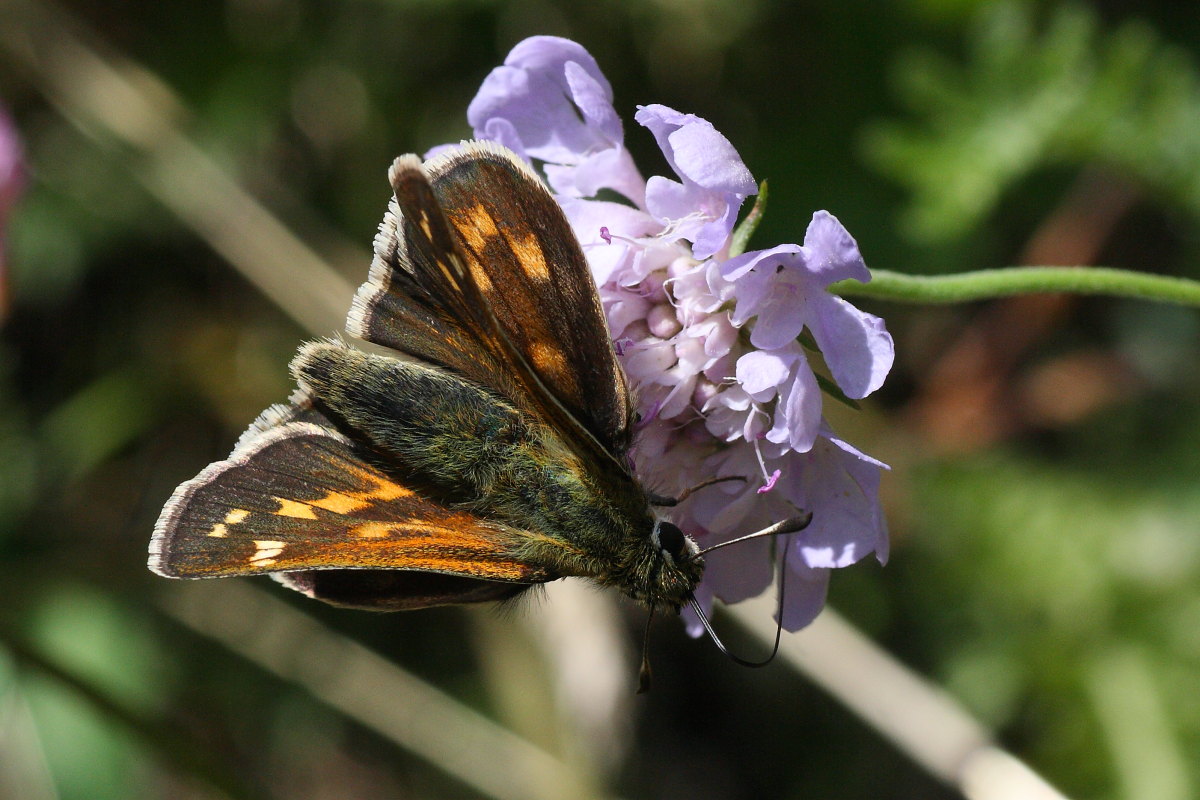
<point>603,532</point>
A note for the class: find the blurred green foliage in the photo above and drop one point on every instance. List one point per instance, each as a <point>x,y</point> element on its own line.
<point>1046,567</point>
<point>1034,94</point>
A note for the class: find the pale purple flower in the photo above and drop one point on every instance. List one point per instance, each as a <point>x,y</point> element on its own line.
<point>782,375</point>
<point>711,343</point>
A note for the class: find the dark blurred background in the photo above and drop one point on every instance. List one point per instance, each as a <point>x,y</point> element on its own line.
<point>1044,499</point>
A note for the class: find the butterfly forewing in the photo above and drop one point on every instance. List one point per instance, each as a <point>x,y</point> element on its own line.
<point>493,261</point>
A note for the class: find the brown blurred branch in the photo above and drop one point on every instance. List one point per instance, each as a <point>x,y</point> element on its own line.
<point>971,396</point>
<point>114,101</point>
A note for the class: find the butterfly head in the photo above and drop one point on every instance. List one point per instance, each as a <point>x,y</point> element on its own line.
<point>668,569</point>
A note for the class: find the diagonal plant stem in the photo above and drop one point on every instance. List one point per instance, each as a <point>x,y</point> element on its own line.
<point>990,283</point>
<point>123,107</point>
<point>920,719</point>
<point>374,692</point>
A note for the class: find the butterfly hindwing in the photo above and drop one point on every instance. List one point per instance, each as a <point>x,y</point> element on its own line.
<point>478,270</point>
<point>296,495</point>
<point>393,589</point>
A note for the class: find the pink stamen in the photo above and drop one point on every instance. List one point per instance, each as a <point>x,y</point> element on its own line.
<point>605,235</point>
<point>768,480</point>
<point>770,484</point>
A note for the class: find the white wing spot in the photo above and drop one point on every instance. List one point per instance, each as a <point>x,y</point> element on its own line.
<point>265,551</point>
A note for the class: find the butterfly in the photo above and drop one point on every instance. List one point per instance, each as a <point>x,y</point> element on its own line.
<point>485,450</point>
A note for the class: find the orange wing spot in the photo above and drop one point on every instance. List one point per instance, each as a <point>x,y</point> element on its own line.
<point>339,503</point>
<point>549,360</point>
<point>385,490</point>
<point>236,515</point>
<point>382,488</point>
<point>482,279</point>
<point>342,503</point>
<point>293,508</point>
<point>531,256</point>
<point>350,502</point>
<point>373,530</point>
<point>426,228</point>
<point>477,227</point>
<point>218,531</point>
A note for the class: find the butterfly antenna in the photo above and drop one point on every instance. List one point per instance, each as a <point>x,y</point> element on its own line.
<point>705,484</point>
<point>644,671</point>
<point>660,500</point>
<point>789,525</point>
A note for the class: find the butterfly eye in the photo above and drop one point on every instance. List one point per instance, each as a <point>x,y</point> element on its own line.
<point>671,540</point>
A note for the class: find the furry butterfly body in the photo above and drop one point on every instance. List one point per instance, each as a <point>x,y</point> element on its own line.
<point>486,455</point>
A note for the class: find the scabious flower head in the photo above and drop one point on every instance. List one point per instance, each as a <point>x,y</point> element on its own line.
<point>11,183</point>
<point>710,341</point>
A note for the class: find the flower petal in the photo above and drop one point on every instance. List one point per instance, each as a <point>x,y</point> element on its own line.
<point>840,486</point>
<point>798,411</point>
<point>534,93</point>
<point>758,370</point>
<point>734,268</point>
<point>739,572</point>
<point>715,181</point>
<point>783,313</point>
<point>856,345</point>
<point>704,156</point>
<point>499,129</point>
<point>593,97</point>
<point>804,597</point>
<point>611,168</point>
<point>833,253</point>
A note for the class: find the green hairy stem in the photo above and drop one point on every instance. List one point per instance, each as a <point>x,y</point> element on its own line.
<point>990,283</point>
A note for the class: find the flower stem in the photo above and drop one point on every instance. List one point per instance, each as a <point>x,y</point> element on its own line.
<point>989,283</point>
<point>741,235</point>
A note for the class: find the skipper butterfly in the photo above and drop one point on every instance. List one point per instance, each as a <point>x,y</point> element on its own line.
<point>486,452</point>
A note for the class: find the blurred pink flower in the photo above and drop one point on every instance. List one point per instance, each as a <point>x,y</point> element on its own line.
<point>12,181</point>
